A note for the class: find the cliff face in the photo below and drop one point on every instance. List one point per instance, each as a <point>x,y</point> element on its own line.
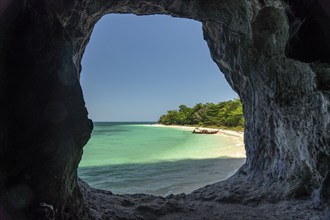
<point>274,54</point>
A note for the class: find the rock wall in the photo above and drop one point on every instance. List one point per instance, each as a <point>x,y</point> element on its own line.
<point>266,49</point>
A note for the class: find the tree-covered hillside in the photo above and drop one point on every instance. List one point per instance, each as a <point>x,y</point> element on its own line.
<point>226,114</point>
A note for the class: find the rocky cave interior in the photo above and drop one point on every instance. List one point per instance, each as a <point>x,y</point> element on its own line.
<point>274,54</point>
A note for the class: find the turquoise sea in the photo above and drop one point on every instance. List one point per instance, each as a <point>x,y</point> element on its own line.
<point>141,158</point>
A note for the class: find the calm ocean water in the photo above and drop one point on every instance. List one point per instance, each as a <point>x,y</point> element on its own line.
<point>139,158</point>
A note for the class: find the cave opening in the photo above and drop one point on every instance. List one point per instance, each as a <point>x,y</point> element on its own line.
<point>254,43</point>
<point>134,69</point>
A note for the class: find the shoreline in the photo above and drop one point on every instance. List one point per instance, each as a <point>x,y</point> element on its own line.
<point>223,132</point>
<point>236,136</point>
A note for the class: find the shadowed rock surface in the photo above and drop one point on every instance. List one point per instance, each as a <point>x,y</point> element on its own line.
<point>274,54</point>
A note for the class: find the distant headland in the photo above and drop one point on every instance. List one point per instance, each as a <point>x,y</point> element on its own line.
<point>225,115</point>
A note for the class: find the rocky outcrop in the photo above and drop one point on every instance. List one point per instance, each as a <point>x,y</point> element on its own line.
<point>274,54</point>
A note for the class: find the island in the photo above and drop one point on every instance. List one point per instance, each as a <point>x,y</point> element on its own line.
<point>224,115</point>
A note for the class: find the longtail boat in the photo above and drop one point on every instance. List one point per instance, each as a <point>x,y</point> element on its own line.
<point>204,131</point>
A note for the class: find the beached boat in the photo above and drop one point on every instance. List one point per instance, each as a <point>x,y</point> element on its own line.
<point>204,131</point>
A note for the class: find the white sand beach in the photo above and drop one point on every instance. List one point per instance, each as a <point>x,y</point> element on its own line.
<point>226,132</point>
<point>236,136</point>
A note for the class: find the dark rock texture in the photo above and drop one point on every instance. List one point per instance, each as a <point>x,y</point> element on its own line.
<point>274,54</point>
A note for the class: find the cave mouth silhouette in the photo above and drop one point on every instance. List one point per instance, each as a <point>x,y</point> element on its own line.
<point>105,80</point>
<point>44,122</point>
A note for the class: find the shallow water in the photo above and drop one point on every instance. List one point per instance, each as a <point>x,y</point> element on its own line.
<point>139,158</point>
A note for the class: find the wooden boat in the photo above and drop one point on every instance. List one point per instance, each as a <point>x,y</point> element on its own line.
<point>204,131</point>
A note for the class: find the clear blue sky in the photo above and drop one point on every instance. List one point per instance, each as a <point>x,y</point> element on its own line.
<point>136,68</point>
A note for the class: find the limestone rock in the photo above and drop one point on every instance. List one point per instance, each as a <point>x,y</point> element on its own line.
<point>274,54</point>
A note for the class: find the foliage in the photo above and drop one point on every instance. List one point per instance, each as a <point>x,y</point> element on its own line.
<point>227,114</point>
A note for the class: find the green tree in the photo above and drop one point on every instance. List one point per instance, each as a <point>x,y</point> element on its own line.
<point>224,114</point>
